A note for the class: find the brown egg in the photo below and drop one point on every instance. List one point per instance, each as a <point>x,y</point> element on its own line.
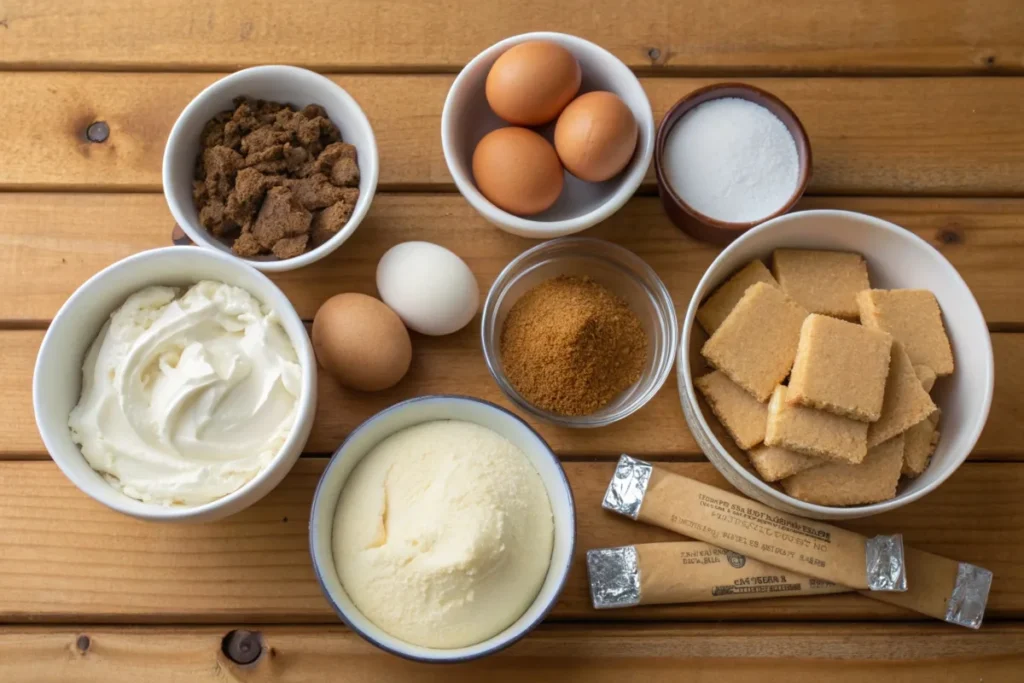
<point>595,136</point>
<point>532,82</point>
<point>361,342</point>
<point>517,170</point>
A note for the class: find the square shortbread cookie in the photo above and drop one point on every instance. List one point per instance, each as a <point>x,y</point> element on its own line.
<point>919,441</point>
<point>774,463</point>
<point>698,338</point>
<point>756,343</point>
<point>872,481</point>
<point>912,317</point>
<point>717,307</point>
<point>906,402</point>
<point>926,375</point>
<point>840,367</point>
<point>824,282</point>
<point>814,432</point>
<point>724,438</point>
<point>919,444</point>
<point>742,415</point>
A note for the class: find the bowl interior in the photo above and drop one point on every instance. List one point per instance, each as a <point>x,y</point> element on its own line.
<point>285,84</point>
<point>685,216</point>
<point>896,259</point>
<point>743,92</point>
<point>620,271</point>
<point>57,382</point>
<point>469,117</point>
<point>407,414</point>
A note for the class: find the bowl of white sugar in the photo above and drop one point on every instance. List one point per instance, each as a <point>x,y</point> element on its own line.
<point>728,157</point>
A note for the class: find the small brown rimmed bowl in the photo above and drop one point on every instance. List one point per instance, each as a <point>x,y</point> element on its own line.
<point>688,219</point>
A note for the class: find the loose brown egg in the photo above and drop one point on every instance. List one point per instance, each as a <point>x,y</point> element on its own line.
<point>517,170</point>
<point>532,82</point>
<point>595,136</point>
<point>361,342</point>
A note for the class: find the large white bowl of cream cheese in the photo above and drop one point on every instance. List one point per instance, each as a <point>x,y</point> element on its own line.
<point>443,529</point>
<point>178,384</point>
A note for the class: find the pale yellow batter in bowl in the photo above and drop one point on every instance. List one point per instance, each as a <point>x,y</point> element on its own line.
<point>443,534</point>
<point>443,529</point>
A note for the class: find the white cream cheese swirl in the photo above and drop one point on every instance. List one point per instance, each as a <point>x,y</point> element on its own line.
<point>185,398</point>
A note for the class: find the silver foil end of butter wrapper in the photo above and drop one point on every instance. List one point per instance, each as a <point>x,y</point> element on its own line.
<point>614,577</point>
<point>626,490</point>
<point>887,570</point>
<point>966,606</point>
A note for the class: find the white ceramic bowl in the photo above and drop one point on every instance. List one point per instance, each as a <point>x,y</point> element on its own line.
<point>286,84</point>
<point>467,118</point>
<point>896,258</point>
<point>57,381</point>
<point>406,414</point>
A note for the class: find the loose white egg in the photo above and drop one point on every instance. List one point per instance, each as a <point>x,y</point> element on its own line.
<point>431,289</point>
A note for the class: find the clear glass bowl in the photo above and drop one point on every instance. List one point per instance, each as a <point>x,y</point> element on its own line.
<point>622,272</point>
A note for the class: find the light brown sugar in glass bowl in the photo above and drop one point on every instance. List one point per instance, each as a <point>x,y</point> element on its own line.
<point>569,346</point>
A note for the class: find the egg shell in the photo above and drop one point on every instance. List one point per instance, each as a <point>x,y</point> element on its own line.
<point>517,170</point>
<point>595,136</point>
<point>361,342</point>
<point>532,82</point>
<point>431,289</point>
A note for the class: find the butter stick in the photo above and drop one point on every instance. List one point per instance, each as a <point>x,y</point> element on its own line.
<point>953,591</point>
<point>690,571</point>
<point>681,572</point>
<point>652,495</point>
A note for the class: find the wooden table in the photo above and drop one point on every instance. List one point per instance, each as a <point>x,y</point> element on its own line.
<point>916,114</point>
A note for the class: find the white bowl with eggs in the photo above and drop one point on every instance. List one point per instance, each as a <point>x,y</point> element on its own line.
<point>896,259</point>
<point>387,423</point>
<point>467,118</point>
<point>277,83</point>
<point>57,382</point>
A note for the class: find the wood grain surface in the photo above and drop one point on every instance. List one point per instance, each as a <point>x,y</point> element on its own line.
<point>889,136</point>
<point>455,364</point>
<point>705,35</point>
<point>701,653</point>
<point>914,113</point>
<point>68,559</point>
<point>51,243</point>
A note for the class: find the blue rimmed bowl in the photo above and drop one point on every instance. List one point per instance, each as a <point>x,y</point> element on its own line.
<point>417,411</point>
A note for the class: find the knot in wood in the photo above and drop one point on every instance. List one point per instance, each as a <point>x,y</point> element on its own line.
<point>951,236</point>
<point>98,131</point>
<point>242,647</point>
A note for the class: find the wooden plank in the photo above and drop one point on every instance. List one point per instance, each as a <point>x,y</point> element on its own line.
<point>734,35</point>
<point>783,653</point>
<point>930,136</point>
<point>68,559</point>
<point>1008,419</point>
<point>51,243</point>
<point>455,364</point>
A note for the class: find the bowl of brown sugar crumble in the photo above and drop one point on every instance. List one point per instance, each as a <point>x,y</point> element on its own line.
<point>579,332</point>
<point>275,164</point>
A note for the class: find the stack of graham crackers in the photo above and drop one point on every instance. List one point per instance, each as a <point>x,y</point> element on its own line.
<point>855,414</point>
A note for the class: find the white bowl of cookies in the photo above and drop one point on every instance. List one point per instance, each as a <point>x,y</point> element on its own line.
<point>834,365</point>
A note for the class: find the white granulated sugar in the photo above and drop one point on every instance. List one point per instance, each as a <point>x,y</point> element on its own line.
<point>732,160</point>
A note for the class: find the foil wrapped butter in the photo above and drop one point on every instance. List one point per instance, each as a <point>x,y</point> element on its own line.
<point>684,572</point>
<point>755,551</point>
<point>650,494</point>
